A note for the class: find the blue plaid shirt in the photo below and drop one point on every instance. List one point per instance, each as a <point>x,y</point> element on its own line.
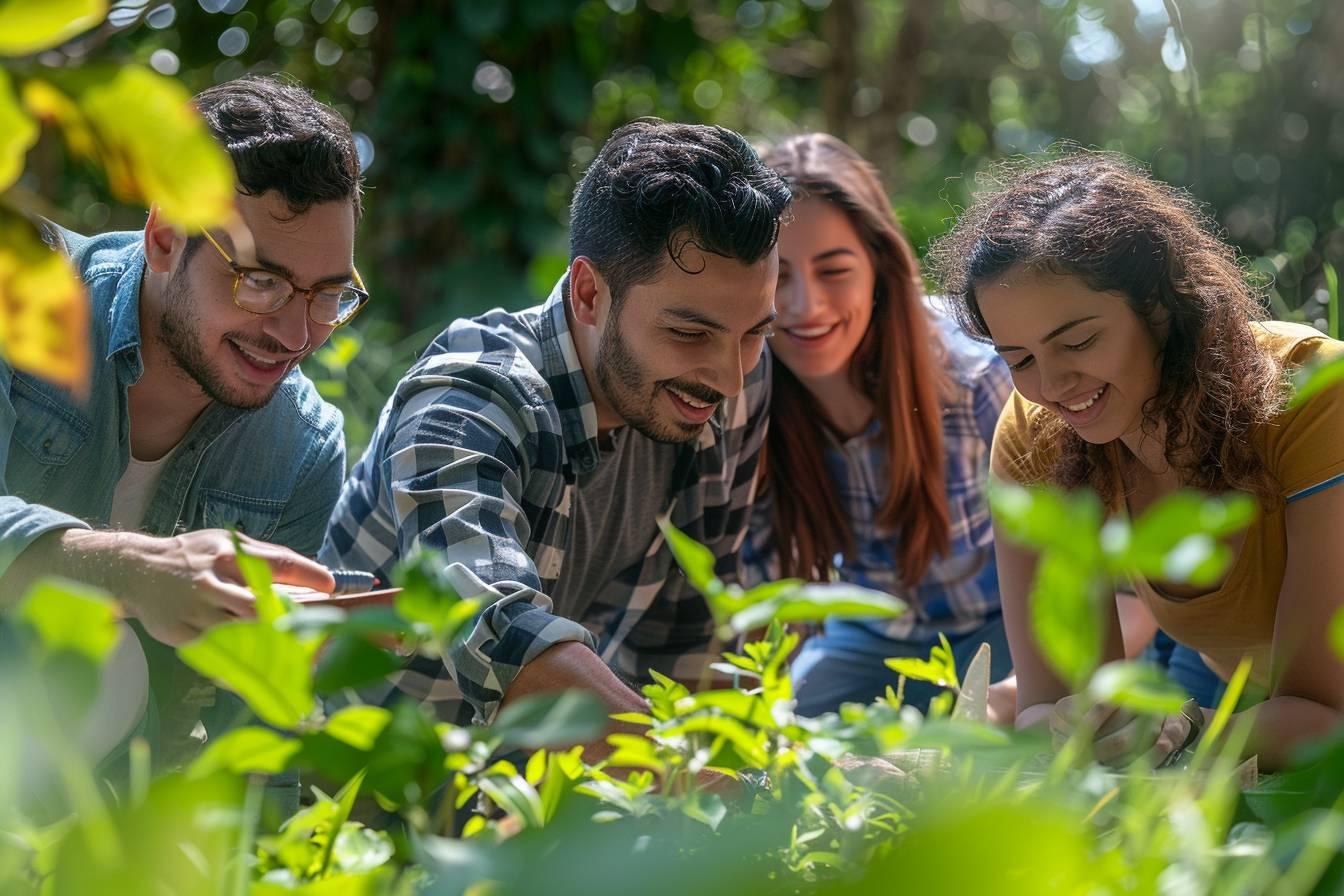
<point>477,454</point>
<point>960,590</point>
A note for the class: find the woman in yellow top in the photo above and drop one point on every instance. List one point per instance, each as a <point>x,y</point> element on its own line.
<point>1140,368</point>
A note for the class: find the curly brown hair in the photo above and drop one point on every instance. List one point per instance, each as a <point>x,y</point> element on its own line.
<point>1102,218</point>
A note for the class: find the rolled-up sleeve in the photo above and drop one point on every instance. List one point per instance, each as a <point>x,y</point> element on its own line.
<point>455,470</point>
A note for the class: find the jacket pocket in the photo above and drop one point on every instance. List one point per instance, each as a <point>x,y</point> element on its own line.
<point>257,517</point>
<point>50,432</point>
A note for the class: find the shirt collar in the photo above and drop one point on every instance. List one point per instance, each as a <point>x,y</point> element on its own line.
<point>123,315</point>
<point>569,387</point>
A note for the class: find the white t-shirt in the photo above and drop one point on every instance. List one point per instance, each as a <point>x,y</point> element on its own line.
<point>135,490</point>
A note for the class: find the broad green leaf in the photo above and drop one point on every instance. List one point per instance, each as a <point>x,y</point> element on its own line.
<point>1314,379</point>
<point>345,804</point>
<point>550,720</point>
<point>244,751</point>
<point>816,603</point>
<point>350,661</point>
<point>1065,617</point>
<point>634,751</point>
<point>358,726</point>
<point>257,574</point>
<point>940,668</point>
<point>1177,540</point>
<point>31,26</point>
<point>429,600</point>
<point>511,792</point>
<point>270,669</point>
<point>359,850</point>
<point>44,313</point>
<point>706,808</point>
<point>1139,687</point>
<point>155,148</point>
<point>696,560</point>
<point>1041,517</point>
<point>18,133</point>
<point>70,616</point>
<point>178,840</point>
<point>377,882</point>
<point>748,743</point>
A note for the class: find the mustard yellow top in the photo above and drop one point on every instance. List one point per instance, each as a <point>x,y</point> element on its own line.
<point>1303,448</point>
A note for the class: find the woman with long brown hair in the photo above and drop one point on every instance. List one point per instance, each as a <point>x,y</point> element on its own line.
<point>1142,366</point>
<point>879,437</point>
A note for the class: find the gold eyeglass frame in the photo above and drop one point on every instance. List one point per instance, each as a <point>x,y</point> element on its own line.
<point>239,271</point>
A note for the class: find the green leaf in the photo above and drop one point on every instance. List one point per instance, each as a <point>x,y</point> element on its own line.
<point>70,616</point>
<point>511,792</point>
<point>359,850</point>
<point>1177,540</point>
<point>429,600</point>
<point>28,27</point>
<point>1139,687</point>
<point>18,133</point>
<point>245,751</point>
<point>818,602</point>
<point>377,882</point>
<point>1313,379</point>
<point>696,560</point>
<point>44,312</point>
<point>155,149</point>
<point>350,661</point>
<point>1041,518</point>
<point>358,726</point>
<point>1065,617</point>
<point>345,804</point>
<point>270,669</point>
<point>706,808</point>
<point>940,668</point>
<point>257,575</point>
<point>550,720</point>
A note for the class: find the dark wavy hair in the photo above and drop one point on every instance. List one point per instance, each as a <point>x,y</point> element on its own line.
<point>1103,219</point>
<point>898,366</point>
<point>281,138</point>
<point>657,187</point>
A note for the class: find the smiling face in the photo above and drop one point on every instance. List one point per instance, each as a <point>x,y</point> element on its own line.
<point>236,357</point>
<point>1083,354</point>
<point>679,344</point>
<point>825,292</point>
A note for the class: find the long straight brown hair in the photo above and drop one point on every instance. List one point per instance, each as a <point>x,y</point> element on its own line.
<point>898,366</point>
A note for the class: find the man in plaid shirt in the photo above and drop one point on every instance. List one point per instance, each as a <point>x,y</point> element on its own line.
<point>536,449</point>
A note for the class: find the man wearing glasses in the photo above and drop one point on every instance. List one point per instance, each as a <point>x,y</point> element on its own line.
<point>199,421</point>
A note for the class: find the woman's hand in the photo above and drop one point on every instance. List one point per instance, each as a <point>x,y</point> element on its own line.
<point>1119,737</point>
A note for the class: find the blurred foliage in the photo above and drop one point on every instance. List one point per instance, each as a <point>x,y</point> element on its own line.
<point>475,117</point>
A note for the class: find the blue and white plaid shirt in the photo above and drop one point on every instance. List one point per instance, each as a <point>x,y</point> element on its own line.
<point>477,454</point>
<point>960,591</point>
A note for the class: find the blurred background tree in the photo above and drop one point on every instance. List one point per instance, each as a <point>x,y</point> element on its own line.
<point>475,118</point>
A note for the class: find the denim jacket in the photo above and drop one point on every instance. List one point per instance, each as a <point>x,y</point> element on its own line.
<point>273,473</point>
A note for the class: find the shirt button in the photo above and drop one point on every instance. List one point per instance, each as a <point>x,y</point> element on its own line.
<point>46,446</point>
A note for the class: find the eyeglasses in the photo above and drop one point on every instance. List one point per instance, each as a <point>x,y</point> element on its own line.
<point>262,292</point>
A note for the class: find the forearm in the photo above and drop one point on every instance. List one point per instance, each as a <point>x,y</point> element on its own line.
<point>88,556</point>
<point>572,665</point>
<point>1280,725</point>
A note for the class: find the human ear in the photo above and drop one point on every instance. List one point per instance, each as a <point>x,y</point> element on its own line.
<point>588,292</point>
<point>162,242</point>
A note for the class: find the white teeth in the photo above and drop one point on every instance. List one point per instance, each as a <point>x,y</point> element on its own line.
<point>693,402</point>
<point>1079,408</point>
<point>811,332</point>
<point>256,359</point>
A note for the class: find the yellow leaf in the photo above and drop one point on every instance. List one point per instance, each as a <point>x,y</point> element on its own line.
<point>155,148</point>
<point>44,313</point>
<point>30,26</point>
<point>18,133</point>
<point>54,107</point>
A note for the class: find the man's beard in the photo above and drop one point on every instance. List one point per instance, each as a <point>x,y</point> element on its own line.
<point>180,332</point>
<point>633,395</point>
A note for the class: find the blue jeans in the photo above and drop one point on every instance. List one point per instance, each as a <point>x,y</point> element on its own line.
<point>828,673</point>
<point>1186,667</point>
